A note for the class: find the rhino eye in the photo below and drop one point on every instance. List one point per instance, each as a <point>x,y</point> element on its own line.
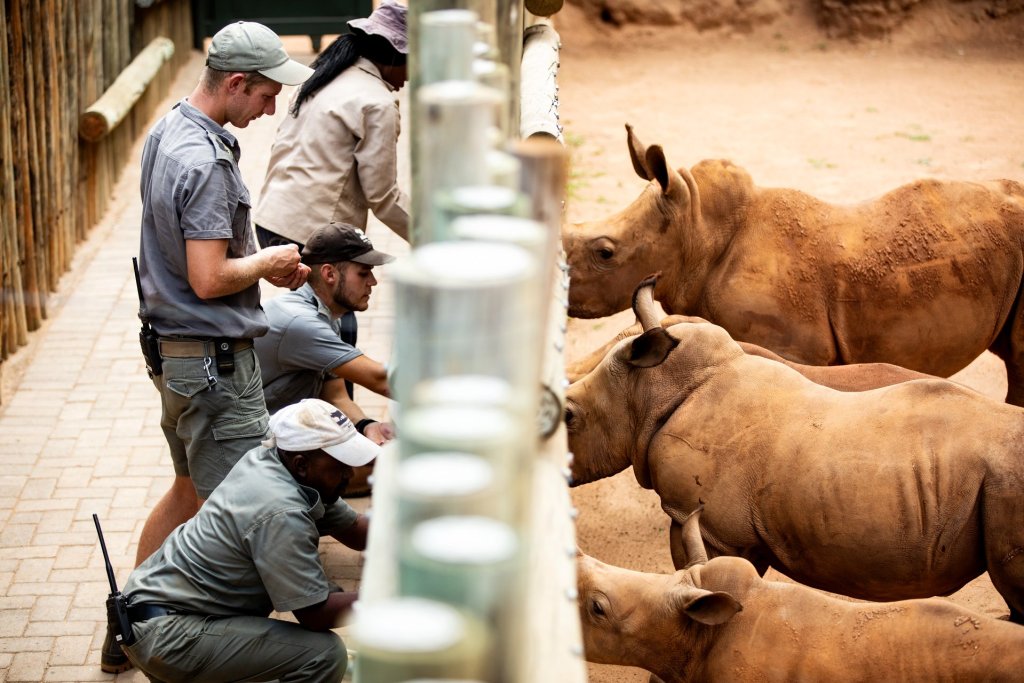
<point>605,253</point>
<point>596,608</point>
<point>570,417</point>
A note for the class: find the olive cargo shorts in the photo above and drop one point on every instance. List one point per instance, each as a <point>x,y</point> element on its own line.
<point>211,425</point>
<point>202,649</point>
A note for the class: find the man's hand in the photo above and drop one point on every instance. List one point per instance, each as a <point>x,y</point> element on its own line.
<point>293,281</point>
<point>282,267</point>
<point>380,432</point>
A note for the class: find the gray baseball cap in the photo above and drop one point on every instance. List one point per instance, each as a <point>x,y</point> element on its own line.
<point>249,46</point>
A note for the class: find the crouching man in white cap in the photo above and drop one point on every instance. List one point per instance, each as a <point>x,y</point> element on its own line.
<point>200,605</point>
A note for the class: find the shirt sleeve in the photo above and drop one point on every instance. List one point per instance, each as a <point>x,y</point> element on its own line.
<point>207,203</point>
<point>337,517</point>
<point>284,548</point>
<point>309,343</point>
<point>377,165</point>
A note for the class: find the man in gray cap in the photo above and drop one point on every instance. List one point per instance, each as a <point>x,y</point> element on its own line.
<point>303,354</point>
<point>199,272</point>
<point>200,606</point>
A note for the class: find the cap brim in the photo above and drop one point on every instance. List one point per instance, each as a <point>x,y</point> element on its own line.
<point>289,73</point>
<point>368,27</point>
<point>355,452</point>
<point>373,258</point>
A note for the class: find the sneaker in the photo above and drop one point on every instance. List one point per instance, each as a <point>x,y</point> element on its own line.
<point>112,658</point>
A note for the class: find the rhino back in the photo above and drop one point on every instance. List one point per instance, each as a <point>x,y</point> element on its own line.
<point>789,632</point>
<point>876,282</point>
<point>814,478</point>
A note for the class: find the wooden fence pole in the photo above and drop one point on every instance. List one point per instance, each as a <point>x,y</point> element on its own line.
<point>13,327</point>
<point>110,109</point>
<point>23,152</point>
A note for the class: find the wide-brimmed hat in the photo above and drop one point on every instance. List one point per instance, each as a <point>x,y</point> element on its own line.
<point>336,242</point>
<point>388,22</point>
<point>312,424</point>
<point>250,46</point>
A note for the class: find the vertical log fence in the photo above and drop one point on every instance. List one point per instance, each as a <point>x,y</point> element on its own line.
<point>57,57</point>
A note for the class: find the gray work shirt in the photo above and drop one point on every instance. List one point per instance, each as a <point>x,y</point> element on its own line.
<point>251,548</point>
<point>192,190</point>
<point>301,348</point>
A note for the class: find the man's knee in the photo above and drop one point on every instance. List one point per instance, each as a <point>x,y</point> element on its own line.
<point>332,661</point>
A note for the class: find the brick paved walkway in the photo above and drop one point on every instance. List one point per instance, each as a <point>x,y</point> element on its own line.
<point>79,434</point>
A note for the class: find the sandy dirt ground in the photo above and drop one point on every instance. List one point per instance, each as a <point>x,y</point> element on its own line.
<point>845,122</point>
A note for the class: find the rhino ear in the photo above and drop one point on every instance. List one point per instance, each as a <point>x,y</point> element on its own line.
<point>711,609</point>
<point>655,161</point>
<point>651,348</point>
<point>637,154</point>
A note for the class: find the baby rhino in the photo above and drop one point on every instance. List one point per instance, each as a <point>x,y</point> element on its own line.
<point>719,621</point>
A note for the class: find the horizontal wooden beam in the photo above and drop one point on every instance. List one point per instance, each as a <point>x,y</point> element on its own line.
<point>114,104</point>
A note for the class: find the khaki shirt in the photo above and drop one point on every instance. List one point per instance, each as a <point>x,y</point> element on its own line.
<point>337,159</point>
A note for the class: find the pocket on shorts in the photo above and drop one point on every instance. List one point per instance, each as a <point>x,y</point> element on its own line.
<point>242,427</point>
<point>187,387</point>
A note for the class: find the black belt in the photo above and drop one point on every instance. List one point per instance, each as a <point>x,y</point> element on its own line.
<point>186,347</point>
<point>144,611</point>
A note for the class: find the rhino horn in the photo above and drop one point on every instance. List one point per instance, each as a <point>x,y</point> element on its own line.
<point>638,154</point>
<point>692,543</point>
<point>643,302</point>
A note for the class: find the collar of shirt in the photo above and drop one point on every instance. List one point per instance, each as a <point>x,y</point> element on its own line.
<point>369,67</point>
<point>307,293</point>
<point>316,503</point>
<point>210,126</point>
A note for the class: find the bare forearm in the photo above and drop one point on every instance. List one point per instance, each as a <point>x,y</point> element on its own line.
<point>212,274</point>
<point>233,276</point>
<point>328,614</point>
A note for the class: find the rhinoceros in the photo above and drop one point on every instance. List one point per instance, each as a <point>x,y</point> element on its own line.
<point>906,491</point>
<point>856,377</point>
<point>718,620</point>
<point>926,277</point>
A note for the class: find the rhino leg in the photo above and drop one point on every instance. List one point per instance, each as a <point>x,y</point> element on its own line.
<point>1002,510</point>
<point>1009,346</point>
<point>1014,384</point>
<point>675,545</point>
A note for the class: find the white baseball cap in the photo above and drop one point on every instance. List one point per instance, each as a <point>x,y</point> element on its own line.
<point>250,46</point>
<point>312,424</point>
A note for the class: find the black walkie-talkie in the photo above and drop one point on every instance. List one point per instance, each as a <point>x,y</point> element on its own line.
<point>149,340</point>
<point>117,603</point>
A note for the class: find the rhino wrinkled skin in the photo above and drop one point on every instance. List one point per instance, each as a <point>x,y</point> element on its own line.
<point>926,277</point>
<point>906,491</point>
<point>719,621</point>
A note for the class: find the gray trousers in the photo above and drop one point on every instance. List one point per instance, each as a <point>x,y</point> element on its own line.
<point>201,649</point>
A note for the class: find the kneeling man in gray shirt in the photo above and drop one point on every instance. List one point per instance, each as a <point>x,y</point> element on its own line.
<point>200,605</point>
